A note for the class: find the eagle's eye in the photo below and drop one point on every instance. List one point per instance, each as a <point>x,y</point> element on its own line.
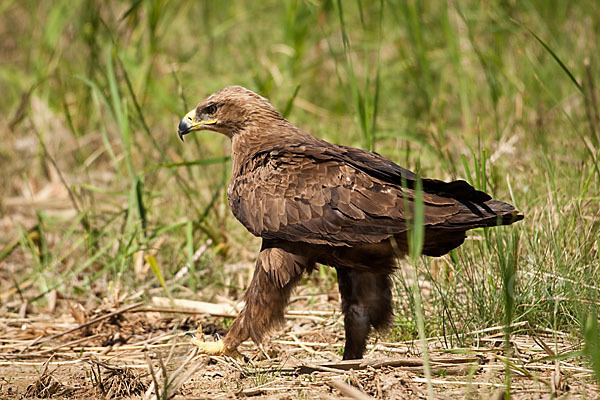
<point>210,109</point>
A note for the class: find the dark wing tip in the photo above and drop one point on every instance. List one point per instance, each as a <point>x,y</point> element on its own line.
<point>461,190</point>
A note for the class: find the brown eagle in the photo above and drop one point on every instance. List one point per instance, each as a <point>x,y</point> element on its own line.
<point>316,202</point>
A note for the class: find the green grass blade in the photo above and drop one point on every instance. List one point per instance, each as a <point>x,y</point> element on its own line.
<point>208,161</point>
<point>555,57</point>
<point>154,267</point>
<point>591,336</point>
<point>290,103</point>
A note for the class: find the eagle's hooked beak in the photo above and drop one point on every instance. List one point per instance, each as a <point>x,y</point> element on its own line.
<point>188,124</point>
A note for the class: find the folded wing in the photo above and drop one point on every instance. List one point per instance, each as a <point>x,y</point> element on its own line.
<point>341,196</point>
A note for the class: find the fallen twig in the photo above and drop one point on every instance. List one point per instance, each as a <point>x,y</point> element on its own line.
<point>348,390</point>
<point>200,307</point>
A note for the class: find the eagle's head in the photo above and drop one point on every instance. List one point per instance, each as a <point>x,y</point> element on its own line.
<point>229,111</point>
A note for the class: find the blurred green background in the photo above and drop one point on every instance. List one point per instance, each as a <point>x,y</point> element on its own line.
<point>98,193</point>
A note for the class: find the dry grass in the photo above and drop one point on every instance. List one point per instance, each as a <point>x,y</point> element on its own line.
<point>89,360</point>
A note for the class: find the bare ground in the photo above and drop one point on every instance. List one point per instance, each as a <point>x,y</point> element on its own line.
<point>126,350</point>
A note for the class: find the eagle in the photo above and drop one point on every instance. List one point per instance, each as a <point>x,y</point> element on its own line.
<point>314,202</point>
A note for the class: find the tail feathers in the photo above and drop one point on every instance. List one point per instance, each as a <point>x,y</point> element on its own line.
<point>440,239</point>
<point>502,213</point>
<point>489,213</point>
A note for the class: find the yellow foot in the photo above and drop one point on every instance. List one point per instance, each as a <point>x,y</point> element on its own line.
<point>211,348</point>
<point>216,348</point>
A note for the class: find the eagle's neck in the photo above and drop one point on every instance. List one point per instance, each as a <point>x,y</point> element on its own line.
<point>258,138</point>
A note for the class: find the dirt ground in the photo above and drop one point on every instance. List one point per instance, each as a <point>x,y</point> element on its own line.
<point>127,350</point>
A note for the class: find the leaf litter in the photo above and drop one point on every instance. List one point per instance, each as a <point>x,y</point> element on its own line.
<point>140,350</point>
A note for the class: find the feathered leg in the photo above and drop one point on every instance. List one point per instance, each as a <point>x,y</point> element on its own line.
<point>366,302</point>
<point>275,275</point>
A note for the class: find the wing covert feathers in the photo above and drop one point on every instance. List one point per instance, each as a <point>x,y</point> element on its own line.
<point>326,194</point>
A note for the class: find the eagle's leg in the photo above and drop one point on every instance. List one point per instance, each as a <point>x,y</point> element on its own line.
<point>366,302</point>
<point>264,309</point>
<point>276,273</point>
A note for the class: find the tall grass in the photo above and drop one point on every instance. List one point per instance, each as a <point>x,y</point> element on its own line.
<point>493,92</point>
